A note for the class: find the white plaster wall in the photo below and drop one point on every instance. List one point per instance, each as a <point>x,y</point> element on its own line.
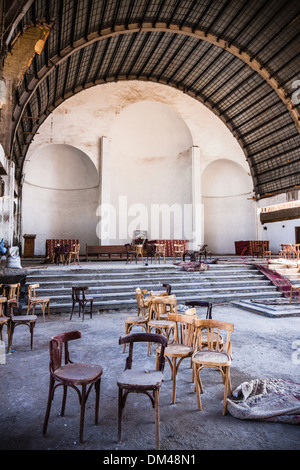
<point>175,119</point>
<point>277,232</point>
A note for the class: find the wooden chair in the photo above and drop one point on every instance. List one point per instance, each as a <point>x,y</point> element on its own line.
<point>179,250</point>
<point>74,253</point>
<point>296,251</point>
<point>139,250</point>
<point>159,316</point>
<point>141,380</point>
<point>34,301</point>
<point>142,318</point>
<point>215,353</point>
<point>19,319</point>
<point>182,346</point>
<point>72,375</point>
<point>203,251</point>
<point>294,290</point>
<point>160,251</point>
<point>79,297</point>
<point>4,320</point>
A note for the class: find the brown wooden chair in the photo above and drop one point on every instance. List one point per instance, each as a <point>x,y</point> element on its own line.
<point>74,253</point>
<point>182,346</point>
<point>34,301</point>
<point>142,318</point>
<point>216,353</point>
<point>159,310</point>
<point>179,250</point>
<point>295,289</point>
<point>160,251</point>
<point>141,380</point>
<point>79,297</point>
<point>71,374</point>
<point>18,319</point>
<point>4,320</point>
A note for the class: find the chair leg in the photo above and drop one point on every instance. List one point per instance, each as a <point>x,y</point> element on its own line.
<point>97,391</point>
<point>50,398</point>
<point>64,400</point>
<point>121,405</point>
<point>82,411</point>
<point>198,386</point>
<point>91,311</point>
<point>226,388</point>
<point>31,327</point>
<point>174,372</point>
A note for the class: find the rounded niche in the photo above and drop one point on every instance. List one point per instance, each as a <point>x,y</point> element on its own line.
<point>149,129</point>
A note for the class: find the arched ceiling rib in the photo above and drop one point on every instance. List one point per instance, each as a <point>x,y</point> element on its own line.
<point>240,58</point>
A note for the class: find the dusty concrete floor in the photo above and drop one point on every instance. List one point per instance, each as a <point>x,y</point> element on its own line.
<point>262,347</point>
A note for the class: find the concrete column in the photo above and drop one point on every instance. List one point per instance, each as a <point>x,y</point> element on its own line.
<point>198,212</point>
<point>107,224</point>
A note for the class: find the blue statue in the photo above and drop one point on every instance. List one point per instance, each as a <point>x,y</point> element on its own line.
<point>3,250</point>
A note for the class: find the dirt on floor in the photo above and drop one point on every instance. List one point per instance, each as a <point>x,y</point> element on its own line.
<point>262,347</point>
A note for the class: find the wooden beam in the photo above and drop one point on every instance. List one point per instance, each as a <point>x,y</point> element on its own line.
<point>276,216</point>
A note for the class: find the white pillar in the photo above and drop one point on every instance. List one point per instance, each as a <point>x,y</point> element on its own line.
<point>105,213</point>
<point>198,212</point>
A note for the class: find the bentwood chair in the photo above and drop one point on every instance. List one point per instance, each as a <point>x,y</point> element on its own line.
<point>216,354</point>
<point>159,312</point>
<point>19,319</point>
<point>141,380</point>
<point>80,377</point>
<point>160,252</point>
<point>79,297</point>
<point>74,253</point>
<point>181,347</point>
<point>179,250</point>
<point>34,301</point>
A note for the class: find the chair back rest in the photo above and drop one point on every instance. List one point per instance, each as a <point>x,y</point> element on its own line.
<point>214,340</point>
<point>59,350</point>
<point>2,302</point>
<point>160,247</point>
<point>201,303</point>
<point>184,329</point>
<point>159,305</point>
<point>14,291</point>
<point>145,337</point>
<point>31,291</point>
<point>78,293</point>
<point>168,288</point>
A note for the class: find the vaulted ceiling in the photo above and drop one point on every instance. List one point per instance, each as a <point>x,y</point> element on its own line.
<point>241,58</point>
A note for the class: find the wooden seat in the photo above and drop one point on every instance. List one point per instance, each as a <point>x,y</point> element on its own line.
<point>212,352</point>
<point>79,297</point>
<point>4,320</point>
<point>181,347</point>
<point>160,251</point>
<point>74,253</point>
<point>142,317</point>
<point>72,375</point>
<point>139,250</point>
<point>179,250</point>
<point>141,380</point>
<point>34,301</point>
